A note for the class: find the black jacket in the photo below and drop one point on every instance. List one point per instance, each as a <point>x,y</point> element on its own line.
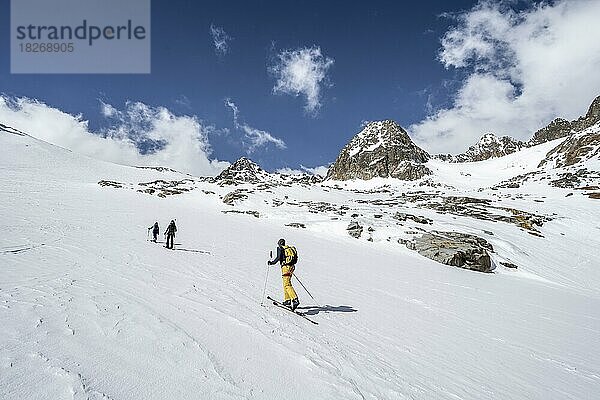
<point>280,256</point>
<point>171,229</point>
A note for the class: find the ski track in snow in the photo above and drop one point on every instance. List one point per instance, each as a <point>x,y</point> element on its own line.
<point>89,309</point>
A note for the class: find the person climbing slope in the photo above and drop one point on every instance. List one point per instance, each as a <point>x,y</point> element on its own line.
<point>170,234</point>
<point>287,256</point>
<point>155,231</point>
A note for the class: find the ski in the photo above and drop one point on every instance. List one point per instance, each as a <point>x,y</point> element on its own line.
<point>280,305</point>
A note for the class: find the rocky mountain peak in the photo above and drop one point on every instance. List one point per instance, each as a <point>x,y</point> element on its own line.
<point>379,133</point>
<point>561,127</point>
<point>243,170</point>
<point>592,117</point>
<point>245,164</point>
<point>380,149</point>
<point>489,146</point>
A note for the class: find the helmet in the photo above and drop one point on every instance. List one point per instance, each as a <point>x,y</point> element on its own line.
<point>281,242</point>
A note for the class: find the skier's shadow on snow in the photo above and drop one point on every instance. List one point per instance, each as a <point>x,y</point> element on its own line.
<point>314,310</point>
<point>192,250</point>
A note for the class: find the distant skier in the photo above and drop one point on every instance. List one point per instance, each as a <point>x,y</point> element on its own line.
<point>155,231</point>
<point>287,256</point>
<point>170,234</point>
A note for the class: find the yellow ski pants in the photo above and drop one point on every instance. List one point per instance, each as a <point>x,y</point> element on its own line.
<point>286,274</point>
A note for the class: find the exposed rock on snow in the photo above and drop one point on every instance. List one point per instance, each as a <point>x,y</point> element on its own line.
<point>579,147</point>
<point>381,149</point>
<point>418,219</point>
<point>568,179</point>
<point>255,214</point>
<point>516,181</point>
<point>296,225</point>
<point>354,229</point>
<point>484,210</point>
<point>159,169</point>
<point>304,179</point>
<point>456,249</point>
<point>114,184</point>
<point>410,171</point>
<point>164,188</point>
<point>577,180</point>
<point>321,207</point>
<point>237,195</point>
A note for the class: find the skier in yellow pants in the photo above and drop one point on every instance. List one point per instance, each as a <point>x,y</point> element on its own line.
<point>287,257</point>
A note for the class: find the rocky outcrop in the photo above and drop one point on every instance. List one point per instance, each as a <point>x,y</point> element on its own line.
<point>453,248</point>
<point>296,225</point>
<point>560,128</point>
<point>381,149</point>
<point>240,172</point>
<point>159,169</point>
<point>303,179</point>
<point>577,148</point>
<point>489,146</point>
<point>410,171</point>
<point>114,184</point>
<point>255,214</point>
<point>555,130</point>
<point>164,188</point>
<point>416,218</point>
<point>354,229</point>
<point>237,195</point>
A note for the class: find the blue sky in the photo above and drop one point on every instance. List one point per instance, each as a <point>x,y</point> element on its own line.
<point>385,59</point>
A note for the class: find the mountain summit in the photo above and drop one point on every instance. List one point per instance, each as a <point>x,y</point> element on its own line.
<point>489,146</point>
<point>243,170</point>
<point>561,127</point>
<point>381,149</point>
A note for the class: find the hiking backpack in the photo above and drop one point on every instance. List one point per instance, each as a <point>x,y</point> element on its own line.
<point>291,255</point>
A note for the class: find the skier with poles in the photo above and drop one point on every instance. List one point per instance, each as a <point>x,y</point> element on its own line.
<point>170,234</point>
<point>287,256</point>
<point>155,231</point>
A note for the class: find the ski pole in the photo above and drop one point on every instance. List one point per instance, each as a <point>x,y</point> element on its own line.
<point>311,296</point>
<point>262,299</point>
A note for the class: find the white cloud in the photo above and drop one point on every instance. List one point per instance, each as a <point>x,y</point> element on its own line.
<point>179,142</point>
<point>107,110</point>
<point>254,138</point>
<point>220,40</point>
<point>524,69</point>
<point>302,72</point>
<point>321,170</point>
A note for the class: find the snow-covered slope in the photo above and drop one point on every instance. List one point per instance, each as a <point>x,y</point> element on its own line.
<point>91,309</point>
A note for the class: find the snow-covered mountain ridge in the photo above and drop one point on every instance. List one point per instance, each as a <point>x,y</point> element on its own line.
<point>490,146</point>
